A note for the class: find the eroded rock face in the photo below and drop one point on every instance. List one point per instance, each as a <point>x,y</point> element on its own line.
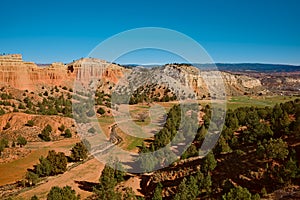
<point>27,75</point>
<point>188,81</point>
<point>201,81</point>
<point>14,72</point>
<point>89,68</point>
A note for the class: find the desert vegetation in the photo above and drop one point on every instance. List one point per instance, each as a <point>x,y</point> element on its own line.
<point>256,155</point>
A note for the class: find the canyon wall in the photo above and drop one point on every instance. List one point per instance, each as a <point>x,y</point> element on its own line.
<point>15,72</point>
<point>205,83</point>
<point>23,75</point>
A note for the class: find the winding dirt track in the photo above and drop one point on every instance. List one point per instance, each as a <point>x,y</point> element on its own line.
<point>86,174</point>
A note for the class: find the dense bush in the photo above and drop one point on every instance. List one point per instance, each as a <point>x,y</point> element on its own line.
<point>100,111</point>
<point>53,164</point>
<point>3,144</point>
<point>79,152</point>
<point>67,133</point>
<point>21,141</point>
<point>65,193</point>
<point>45,134</point>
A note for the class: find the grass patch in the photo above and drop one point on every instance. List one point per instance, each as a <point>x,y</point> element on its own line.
<point>15,170</point>
<point>129,142</point>
<point>133,143</point>
<point>261,101</point>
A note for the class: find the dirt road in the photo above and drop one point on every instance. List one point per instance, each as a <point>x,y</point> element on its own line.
<point>84,175</point>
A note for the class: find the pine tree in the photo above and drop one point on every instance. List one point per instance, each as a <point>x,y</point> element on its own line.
<point>157,192</point>
<point>44,168</point>
<point>34,198</point>
<point>192,188</point>
<point>45,134</point>
<point>31,178</point>
<point>276,149</point>
<point>106,187</point>
<point>65,193</point>
<point>209,163</point>
<point>129,194</point>
<point>238,193</point>
<point>58,162</point>
<point>79,152</point>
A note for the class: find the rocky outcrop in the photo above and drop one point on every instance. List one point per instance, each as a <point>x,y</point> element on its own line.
<point>89,68</point>
<point>240,84</point>
<point>202,82</point>
<point>15,72</point>
<point>27,75</point>
<point>187,81</point>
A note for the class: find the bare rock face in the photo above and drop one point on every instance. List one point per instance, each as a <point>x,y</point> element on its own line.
<point>200,81</point>
<point>27,75</point>
<point>89,68</point>
<point>244,81</point>
<point>188,81</point>
<point>240,84</point>
<point>14,72</point>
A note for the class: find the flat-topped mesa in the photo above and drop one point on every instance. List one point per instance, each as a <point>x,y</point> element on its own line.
<point>23,75</point>
<point>11,57</point>
<point>12,60</point>
<point>87,68</point>
<point>27,75</point>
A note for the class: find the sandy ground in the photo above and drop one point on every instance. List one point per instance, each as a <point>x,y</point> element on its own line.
<point>15,170</point>
<point>88,173</point>
<point>134,183</point>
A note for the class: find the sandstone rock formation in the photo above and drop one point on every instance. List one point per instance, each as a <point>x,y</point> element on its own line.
<point>27,75</point>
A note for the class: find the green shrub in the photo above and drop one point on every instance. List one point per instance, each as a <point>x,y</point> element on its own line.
<point>68,133</point>
<point>21,106</point>
<point>79,151</point>
<point>100,111</point>
<point>65,193</point>
<point>45,135</point>
<point>2,112</point>
<point>29,123</point>
<point>21,141</point>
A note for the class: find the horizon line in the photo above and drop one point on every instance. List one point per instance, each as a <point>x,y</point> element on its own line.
<point>141,64</point>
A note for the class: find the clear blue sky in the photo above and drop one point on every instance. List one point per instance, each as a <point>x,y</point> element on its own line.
<point>265,31</point>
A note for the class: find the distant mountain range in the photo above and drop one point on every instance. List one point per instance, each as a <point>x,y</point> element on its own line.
<point>255,67</point>
<point>239,67</point>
